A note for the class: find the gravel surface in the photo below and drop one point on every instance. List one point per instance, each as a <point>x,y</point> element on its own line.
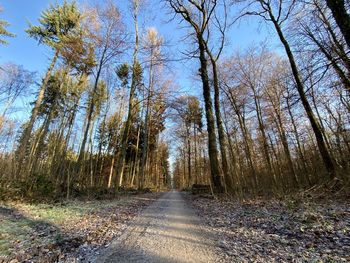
<point>167,231</point>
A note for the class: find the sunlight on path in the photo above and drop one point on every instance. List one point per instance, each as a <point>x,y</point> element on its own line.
<point>167,231</point>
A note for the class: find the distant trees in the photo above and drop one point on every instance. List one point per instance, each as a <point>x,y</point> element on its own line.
<point>188,116</point>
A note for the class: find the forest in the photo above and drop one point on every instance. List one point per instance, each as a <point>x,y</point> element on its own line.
<point>263,122</point>
<point>111,114</point>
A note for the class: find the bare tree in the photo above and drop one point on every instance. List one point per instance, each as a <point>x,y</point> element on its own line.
<point>277,18</point>
<point>199,22</point>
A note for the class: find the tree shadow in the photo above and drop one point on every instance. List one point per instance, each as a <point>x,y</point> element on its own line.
<point>16,225</point>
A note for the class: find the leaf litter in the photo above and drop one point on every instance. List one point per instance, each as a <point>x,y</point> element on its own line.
<point>278,231</point>
<point>64,232</point>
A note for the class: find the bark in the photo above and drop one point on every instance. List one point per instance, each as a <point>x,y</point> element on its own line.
<point>341,17</point>
<point>327,160</point>
<point>212,146</point>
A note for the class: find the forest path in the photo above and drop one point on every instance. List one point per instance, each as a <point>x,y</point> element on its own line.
<point>167,231</point>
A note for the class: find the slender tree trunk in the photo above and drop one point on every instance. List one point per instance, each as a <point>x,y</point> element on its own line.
<point>222,138</point>
<point>90,111</point>
<point>147,127</point>
<point>189,157</point>
<point>299,149</point>
<point>125,137</point>
<point>195,154</point>
<point>327,160</point>
<point>35,111</point>
<point>265,144</point>
<point>109,185</point>
<point>136,160</point>
<point>246,139</point>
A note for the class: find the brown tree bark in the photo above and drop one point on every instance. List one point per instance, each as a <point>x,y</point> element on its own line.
<point>341,17</point>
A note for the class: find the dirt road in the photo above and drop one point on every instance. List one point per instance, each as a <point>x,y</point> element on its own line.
<point>167,231</point>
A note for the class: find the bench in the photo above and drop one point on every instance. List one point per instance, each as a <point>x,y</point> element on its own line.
<point>201,189</point>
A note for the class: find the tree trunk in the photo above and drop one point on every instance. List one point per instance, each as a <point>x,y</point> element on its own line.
<point>22,149</point>
<point>327,160</point>
<point>125,137</point>
<point>90,111</point>
<point>341,17</point>
<point>212,148</point>
<point>222,138</point>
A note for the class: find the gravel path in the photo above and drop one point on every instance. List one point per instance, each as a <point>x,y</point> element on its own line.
<point>167,231</point>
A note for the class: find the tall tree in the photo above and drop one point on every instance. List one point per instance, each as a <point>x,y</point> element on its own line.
<point>108,37</point>
<point>152,44</point>
<point>135,81</point>
<point>199,22</point>
<point>57,24</point>
<point>267,12</point>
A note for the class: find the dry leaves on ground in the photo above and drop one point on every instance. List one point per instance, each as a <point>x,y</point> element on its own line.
<point>66,232</point>
<point>278,231</point>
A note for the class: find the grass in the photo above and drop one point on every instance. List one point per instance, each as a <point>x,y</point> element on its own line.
<point>13,231</point>
<point>22,223</point>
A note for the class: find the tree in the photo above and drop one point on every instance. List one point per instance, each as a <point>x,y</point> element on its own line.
<point>57,24</point>
<point>267,13</point>
<point>107,34</point>
<point>152,44</point>
<point>189,113</point>
<point>15,82</point>
<point>3,30</point>
<point>199,22</point>
<point>341,16</point>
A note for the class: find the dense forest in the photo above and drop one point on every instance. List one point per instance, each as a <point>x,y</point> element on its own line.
<point>106,115</point>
